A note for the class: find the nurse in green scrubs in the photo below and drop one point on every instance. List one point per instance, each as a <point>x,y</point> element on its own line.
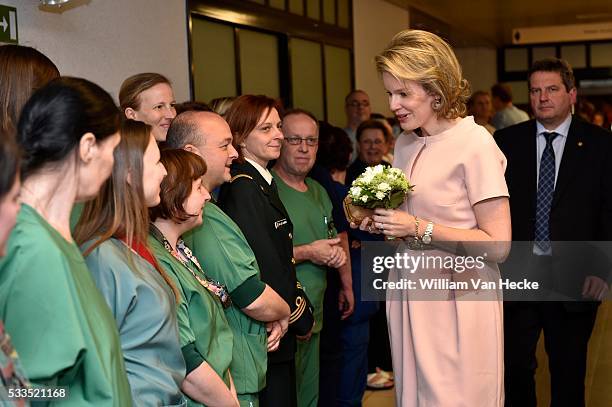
<point>59,322</point>
<point>206,338</point>
<point>113,233</point>
<point>12,376</point>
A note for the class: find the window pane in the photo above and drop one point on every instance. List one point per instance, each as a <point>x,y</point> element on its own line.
<point>296,6</point>
<point>329,11</point>
<point>515,59</point>
<point>575,55</point>
<point>337,82</point>
<point>306,76</point>
<point>343,13</point>
<point>214,65</point>
<point>601,55</point>
<point>259,63</point>
<point>314,9</point>
<point>279,4</point>
<point>543,52</point>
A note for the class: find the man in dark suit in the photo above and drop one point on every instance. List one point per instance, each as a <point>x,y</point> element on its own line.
<point>559,179</point>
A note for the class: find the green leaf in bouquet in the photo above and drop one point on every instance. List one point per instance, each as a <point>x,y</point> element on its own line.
<point>396,199</point>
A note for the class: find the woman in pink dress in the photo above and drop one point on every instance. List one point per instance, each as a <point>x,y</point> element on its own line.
<point>446,352</point>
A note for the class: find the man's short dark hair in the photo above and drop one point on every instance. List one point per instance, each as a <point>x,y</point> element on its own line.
<point>502,91</point>
<point>560,66</point>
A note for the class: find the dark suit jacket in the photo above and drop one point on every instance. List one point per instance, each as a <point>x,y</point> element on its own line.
<point>260,214</point>
<point>582,201</point>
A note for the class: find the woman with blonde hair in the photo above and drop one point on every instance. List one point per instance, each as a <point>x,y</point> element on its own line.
<point>149,98</point>
<point>447,346</point>
<point>113,232</point>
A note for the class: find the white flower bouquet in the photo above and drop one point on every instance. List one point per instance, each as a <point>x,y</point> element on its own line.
<point>377,187</point>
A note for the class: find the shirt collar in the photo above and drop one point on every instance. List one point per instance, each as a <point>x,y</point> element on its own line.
<point>264,172</point>
<point>562,130</point>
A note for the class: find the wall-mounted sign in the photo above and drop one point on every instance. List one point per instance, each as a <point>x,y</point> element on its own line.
<point>562,33</point>
<point>8,24</point>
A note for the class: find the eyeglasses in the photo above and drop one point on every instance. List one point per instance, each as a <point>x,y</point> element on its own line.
<point>296,141</point>
<point>355,103</point>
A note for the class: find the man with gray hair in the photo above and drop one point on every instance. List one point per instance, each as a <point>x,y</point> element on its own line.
<point>225,254</point>
<point>316,245</point>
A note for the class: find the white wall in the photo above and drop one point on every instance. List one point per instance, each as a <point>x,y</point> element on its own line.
<point>106,41</point>
<point>479,66</point>
<point>375,22</point>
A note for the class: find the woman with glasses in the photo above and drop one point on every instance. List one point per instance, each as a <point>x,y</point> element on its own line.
<point>251,200</point>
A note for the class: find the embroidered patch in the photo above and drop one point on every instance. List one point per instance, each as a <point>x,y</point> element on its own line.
<point>280,223</point>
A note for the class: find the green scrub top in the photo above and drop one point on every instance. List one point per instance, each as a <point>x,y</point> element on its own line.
<point>308,211</point>
<point>226,256</point>
<point>202,324</point>
<point>59,322</point>
<point>145,310</point>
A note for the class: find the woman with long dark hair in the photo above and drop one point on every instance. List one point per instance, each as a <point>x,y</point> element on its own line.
<point>112,232</point>
<point>60,323</point>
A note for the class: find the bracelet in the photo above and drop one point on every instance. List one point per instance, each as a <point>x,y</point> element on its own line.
<point>417,238</point>
<point>426,238</point>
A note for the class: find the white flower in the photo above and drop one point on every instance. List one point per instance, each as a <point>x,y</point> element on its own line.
<point>355,191</point>
<point>380,195</point>
<point>378,169</point>
<point>384,187</point>
<point>364,198</point>
<point>367,177</point>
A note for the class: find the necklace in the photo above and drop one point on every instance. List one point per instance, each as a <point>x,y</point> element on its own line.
<point>184,255</point>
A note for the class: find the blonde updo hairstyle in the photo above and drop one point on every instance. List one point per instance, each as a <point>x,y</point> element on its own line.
<point>425,58</point>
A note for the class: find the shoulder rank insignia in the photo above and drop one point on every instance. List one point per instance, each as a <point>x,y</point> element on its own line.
<point>235,177</point>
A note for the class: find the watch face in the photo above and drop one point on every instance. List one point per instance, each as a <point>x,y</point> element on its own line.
<point>426,239</point>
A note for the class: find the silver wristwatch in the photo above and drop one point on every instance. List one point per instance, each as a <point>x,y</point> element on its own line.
<point>426,239</point>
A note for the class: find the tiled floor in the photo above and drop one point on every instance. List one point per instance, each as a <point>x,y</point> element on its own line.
<point>599,373</point>
<point>379,398</point>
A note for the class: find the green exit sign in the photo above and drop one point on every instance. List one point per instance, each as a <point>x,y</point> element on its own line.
<point>8,24</point>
